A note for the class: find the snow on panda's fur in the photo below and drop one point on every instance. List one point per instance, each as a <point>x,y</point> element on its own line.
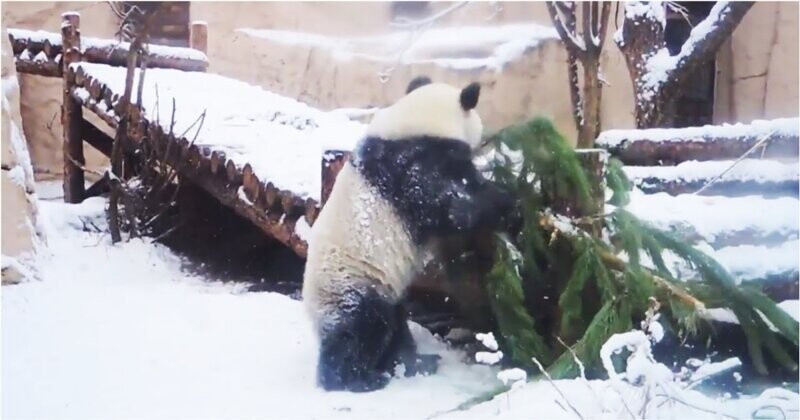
<point>410,180</point>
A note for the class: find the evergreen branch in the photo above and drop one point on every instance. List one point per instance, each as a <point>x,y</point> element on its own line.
<point>615,263</point>
<point>504,288</point>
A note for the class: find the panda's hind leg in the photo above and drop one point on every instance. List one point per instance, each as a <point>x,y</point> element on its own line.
<point>355,341</point>
<point>403,349</point>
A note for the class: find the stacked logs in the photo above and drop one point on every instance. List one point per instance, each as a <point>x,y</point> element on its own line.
<point>29,58</point>
<point>273,210</point>
<point>645,152</point>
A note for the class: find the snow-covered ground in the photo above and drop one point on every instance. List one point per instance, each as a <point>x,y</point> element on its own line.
<point>121,332</point>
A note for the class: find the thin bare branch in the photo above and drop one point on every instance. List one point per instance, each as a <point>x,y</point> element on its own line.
<point>550,380</point>
<point>712,181</point>
<point>571,41</point>
<point>604,14</point>
<point>586,26</point>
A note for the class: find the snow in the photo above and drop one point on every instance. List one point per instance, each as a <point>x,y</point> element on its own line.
<point>40,58</point>
<point>281,138</point>
<point>726,315</point>
<point>656,331</point>
<point>646,387</point>
<point>653,10</point>
<point>243,196</point>
<point>121,332</point>
<point>741,131</point>
<point>759,262</point>
<point>744,262</point>
<point>21,264</point>
<point>714,216</point>
<point>756,170</point>
<point>792,307</point>
<point>302,229</point>
<point>488,358</point>
<point>17,175</point>
<point>40,36</point>
<point>495,46</point>
<point>512,376</point>
<point>712,369</point>
<point>701,30</point>
<point>488,340</point>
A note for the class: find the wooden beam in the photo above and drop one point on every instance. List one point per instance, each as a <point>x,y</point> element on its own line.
<point>49,68</point>
<point>71,112</point>
<point>644,152</point>
<point>102,51</point>
<point>332,162</point>
<point>102,186</point>
<point>96,138</point>
<point>198,36</point>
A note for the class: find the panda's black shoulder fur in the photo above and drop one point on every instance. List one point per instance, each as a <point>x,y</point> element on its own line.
<point>426,179</point>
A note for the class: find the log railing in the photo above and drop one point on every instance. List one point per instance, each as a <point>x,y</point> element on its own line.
<point>41,53</point>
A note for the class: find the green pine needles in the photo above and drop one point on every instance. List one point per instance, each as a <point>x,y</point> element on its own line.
<point>555,281</point>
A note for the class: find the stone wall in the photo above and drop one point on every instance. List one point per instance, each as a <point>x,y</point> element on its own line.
<point>758,67</point>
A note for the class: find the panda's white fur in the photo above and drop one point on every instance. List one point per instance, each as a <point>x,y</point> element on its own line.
<point>432,110</point>
<point>360,232</point>
<point>362,254</point>
<point>359,229</point>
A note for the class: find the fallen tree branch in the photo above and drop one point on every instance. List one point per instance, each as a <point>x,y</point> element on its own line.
<point>615,263</point>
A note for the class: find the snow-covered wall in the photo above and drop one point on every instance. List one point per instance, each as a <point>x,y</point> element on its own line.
<point>41,96</point>
<point>19,210</point>
<point>306,68</point>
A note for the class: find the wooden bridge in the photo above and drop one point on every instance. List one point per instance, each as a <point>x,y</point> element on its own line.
<point>249,152</point>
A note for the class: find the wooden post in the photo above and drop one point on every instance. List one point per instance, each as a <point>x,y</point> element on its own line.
<point>71,111</point>
<point>198,36</point>
<point>332,162</point>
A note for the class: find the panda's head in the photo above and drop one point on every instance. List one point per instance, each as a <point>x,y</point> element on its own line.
<point>434,110</point>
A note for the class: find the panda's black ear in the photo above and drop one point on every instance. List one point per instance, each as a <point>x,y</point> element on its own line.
<point>417,82</point>
<point>469,96</point>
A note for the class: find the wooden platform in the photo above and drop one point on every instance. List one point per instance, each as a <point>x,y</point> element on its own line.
<point>256,152</point>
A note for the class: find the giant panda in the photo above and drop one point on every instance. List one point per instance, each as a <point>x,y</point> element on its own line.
<point>410,180</point>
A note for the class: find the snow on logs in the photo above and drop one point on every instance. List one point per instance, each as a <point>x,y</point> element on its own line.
<point>275,211</point>
<point>674,145</point>
<point>721,221</point>
<point>747,177</point>
<point>40,53</point>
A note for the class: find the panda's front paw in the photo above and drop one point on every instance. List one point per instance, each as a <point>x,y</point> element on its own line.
<point>424,364</point>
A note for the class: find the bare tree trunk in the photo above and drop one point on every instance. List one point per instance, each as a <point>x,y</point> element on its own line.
<point>584,47</point>
<point>658,78</point>
<point>591,104</point>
